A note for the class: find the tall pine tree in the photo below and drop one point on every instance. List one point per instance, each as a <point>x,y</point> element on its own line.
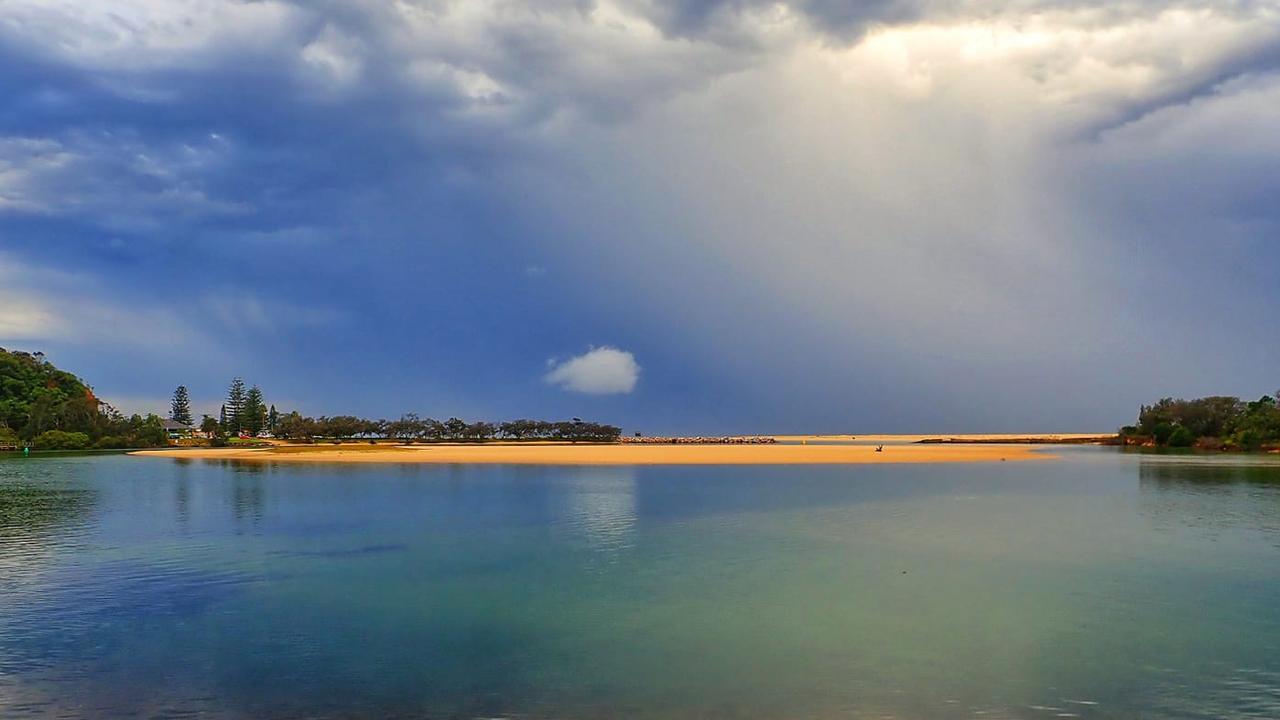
<point>254,412</point>
<point>235,406</point>
<point>180,408</point>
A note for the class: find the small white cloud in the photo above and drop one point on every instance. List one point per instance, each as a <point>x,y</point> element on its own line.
<point>599,371</point>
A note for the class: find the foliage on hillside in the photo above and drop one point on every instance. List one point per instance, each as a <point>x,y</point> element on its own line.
<point>35,393</point>
<point>1217,422</point>
<point>50,408</point>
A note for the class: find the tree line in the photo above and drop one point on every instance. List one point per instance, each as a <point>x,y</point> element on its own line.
<point>50,409</point>
<point>1216,422</point>
<point>245,413</point>
<point>410,427</point>
<point>47,408</point>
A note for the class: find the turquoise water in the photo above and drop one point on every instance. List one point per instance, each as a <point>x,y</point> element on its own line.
<point>1102,585</point>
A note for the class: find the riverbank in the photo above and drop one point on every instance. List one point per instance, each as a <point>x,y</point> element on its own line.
<point>612,454</point>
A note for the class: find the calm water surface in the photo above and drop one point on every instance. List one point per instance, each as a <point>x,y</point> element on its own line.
<point>1103,585</point>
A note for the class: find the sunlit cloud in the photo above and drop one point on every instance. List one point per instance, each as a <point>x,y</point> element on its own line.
<point>599,371</point>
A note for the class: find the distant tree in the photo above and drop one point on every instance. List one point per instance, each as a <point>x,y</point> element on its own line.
<point>42,414</point>
<point>520,429</point>
<point>341,426</point>
<point>1181,437</point>
<point>235,406</point>
<point>1203,417</point>
<point>1248,439</point>
<point>430,429</point>
<point>373,428</point>
<point>254,412</point>
<point>406,428</point>
<point>481,430</point>
<point>454,427</point>
<point>1216,421</point>
<point>222,418</point>
<point>150,432</point>
<point>273,419</point>
<point>293,426</point>
<point>209,425</point>
<point>1259,424</point>
<point>180,407</point>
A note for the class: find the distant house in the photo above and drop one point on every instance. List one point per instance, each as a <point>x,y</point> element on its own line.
<point>176,430</point>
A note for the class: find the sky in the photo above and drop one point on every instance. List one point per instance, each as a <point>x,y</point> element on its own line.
<point>688,216</point>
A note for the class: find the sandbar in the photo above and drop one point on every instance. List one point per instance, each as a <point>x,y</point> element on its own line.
<point>612,454</point>
<point>994,438</point>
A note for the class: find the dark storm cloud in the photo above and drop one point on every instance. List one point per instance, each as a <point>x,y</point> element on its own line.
<point>313,191</point>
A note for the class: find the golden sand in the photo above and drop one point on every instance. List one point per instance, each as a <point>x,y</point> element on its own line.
<point>966,437</point>
<point>623,454</point>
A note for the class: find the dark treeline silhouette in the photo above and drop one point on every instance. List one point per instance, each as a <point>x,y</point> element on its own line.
<point>245,413</point>
<point>47,408</point>
<point>51,409</point>
<point>410,427</point>
<point>1217,422</point>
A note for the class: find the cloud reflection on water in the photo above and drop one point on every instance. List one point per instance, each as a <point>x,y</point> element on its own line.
<point>600,507</point>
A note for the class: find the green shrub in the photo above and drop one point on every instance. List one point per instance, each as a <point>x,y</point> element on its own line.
<point>1181,437</point>
<point>111,442</point>
<point>1162,432</point>
<point>59,440</point>
<point>1248,439</point>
